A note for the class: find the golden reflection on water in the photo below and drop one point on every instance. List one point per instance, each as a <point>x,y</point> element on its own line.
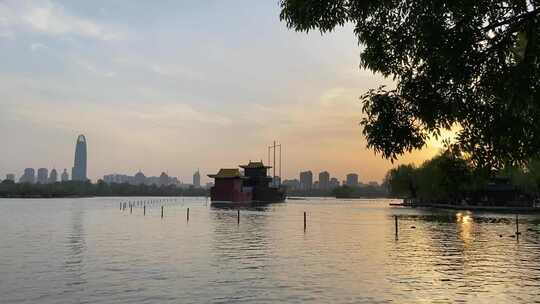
<point>465,226</point>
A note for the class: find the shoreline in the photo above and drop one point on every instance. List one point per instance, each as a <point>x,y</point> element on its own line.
<point>509,209</point>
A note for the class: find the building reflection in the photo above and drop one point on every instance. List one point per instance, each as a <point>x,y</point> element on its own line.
<point>76,247</point>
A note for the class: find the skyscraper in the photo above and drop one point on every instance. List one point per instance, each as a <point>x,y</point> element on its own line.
<point>306,180</point>
<point>65,176</point>
<point>78,173</point>
<point>197,179</point>
<point>29,176</point>
<point>352,180</point>
<point>324,180</point>
<point>53,177</point>
<point>42,175</point>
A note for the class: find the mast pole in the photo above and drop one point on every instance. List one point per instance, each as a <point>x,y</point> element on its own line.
<point>280,165</point>
<point>274,164</point>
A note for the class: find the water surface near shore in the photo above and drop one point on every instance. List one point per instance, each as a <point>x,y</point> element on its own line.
<point>87,250</point>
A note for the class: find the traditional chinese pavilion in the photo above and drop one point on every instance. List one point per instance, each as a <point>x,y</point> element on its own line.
<point>253,186</point>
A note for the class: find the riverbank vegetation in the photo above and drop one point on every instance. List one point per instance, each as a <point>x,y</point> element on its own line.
<point>85,189</point>
<point>452,177</point>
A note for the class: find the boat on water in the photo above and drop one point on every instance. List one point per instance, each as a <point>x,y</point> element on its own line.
<point>251,187</point>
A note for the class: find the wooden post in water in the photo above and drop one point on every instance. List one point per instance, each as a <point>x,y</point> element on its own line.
<point>188,214</point>
<point>305,223</point>
<point>161,211</point>
<point>517,225</point>
<point>144,210</point>
<point>130,208</point>
<point>120,206</point>
<point>238,217</point>
<point>396,225</point>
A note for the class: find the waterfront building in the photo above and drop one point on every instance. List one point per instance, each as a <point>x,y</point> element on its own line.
<point>292,184</point>
<point>118,179</point>
<point>197,179</point>
<point>78,173</point>
<point>65,176</point>
<point>10,177</point>
<point>324,180</point>
<point>334,183</point>
<point>164,179</point>
<point>29,176</point>
<point>53,176</point>
<point>139,178</point>
<point>352,180</point>
<point>306,180</point>
<point>42,175</point>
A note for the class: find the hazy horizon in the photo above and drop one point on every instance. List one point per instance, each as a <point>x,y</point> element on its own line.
<point>177,87</point>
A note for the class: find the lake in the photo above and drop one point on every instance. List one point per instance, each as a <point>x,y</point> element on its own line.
<point>86,250</point>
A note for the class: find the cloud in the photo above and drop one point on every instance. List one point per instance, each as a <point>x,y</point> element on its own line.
<point>37,46</point>
<point>52,19</point>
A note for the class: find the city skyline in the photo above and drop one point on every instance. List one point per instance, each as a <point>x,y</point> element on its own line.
<point>151,95</point>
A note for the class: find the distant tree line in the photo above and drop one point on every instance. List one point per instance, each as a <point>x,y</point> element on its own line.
<point>84,189</point>
<point>451,176</point>
<point>361,191</point>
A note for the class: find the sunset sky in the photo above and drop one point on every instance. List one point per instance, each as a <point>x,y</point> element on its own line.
<point>179,86</point>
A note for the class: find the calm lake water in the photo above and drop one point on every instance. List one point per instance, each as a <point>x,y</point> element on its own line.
<point>88,251</point>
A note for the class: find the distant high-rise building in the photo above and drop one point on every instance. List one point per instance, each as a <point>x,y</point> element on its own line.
<point>65,176</point>
<point>334,183</point>
<point>164,179</point>
<point>29,176</point>
<point>324,180</point>
<point>292,184</point>
<point>352,180</point>
<point>42,175</point>
<point>10,177</point>
<point>78,173</point>
<point>53,176</point>
<point>139,178</point>
<point>197,179</point>
<point>306,180</point>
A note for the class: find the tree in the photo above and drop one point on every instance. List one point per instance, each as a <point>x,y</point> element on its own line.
<point>401,181</point>
<point>473,64</point>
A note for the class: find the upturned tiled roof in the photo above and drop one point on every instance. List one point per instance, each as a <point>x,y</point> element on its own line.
<point>227,173</point>
<point>255,165</point>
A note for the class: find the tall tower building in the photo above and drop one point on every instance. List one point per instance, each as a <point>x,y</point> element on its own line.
<point>324,180</point>
<point>352,180</point>
<point>306,180</point>
<point>42,175</point>
<point>197,179</point>
<point>53,177</point>
<point>65,176</point>
<point>29,176</point>
<point>78,173</point>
